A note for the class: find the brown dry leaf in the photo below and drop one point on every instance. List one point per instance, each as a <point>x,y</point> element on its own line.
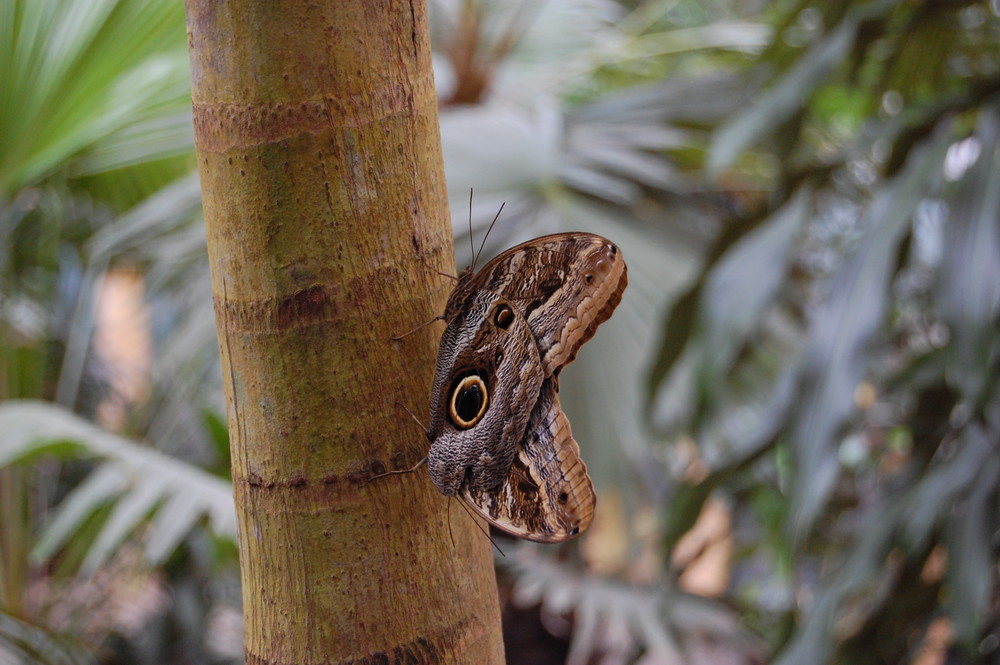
<point>704,553</point>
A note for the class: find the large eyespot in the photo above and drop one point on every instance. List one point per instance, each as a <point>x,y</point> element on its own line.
<point>503,316</point>
<point>469,399</point>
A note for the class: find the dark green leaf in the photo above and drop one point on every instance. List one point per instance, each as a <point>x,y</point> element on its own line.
<point>743,283</point>
<point>972,558</point>
<point>783,100</point>
<point>845,327</point>
<point>968,290</point>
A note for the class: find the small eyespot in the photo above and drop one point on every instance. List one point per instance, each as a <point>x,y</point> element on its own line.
<point>498,358</point>
<point>612,248</point>
<point>503,316</point>
<point>575,530</point>
<point>469,399</point>
<point>563,497</point>
<point>588,278</point>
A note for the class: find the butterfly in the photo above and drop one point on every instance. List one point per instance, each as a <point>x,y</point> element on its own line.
<point>498,436</point>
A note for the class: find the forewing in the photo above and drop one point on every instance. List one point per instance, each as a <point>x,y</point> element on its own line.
<point>565,285</point>
<point>547,495</point>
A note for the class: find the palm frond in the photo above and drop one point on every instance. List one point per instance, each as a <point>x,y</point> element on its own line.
<point>616,622</point>
<point>24,644</point>
<point>81,77</point>
<point>135,481</point>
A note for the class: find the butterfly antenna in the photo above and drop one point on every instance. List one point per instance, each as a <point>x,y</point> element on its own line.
<point>480,527</point>
<point>483,244</point>
<point>472,246</point>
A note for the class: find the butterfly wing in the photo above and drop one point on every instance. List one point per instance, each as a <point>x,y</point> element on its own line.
<point>565,285</point>
<point>547,495</point>
<point>487,382</point>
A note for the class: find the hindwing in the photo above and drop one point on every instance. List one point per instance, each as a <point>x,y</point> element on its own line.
<point>547,495</point>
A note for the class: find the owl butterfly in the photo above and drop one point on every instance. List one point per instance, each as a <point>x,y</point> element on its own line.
<point>498,436</point>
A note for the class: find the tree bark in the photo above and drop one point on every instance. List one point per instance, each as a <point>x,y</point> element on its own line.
<point>326,215</point>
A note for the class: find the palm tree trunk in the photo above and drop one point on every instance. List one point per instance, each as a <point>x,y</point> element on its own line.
<point>326,215</point>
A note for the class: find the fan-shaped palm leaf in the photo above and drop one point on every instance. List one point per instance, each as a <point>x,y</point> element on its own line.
<point>136,481</point>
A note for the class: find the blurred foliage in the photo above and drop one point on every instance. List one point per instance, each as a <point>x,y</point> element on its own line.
<point>96,155</point>
<point>838,351</point>
<point>807,194</point>
<point>24,643</point>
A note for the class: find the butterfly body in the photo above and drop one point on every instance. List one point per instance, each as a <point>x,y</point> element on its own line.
<point>499,438</point>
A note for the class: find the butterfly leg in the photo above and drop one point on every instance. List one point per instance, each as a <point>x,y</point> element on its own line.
<point>396,338</point>
<point>400,471</point>
<point>415,419</point>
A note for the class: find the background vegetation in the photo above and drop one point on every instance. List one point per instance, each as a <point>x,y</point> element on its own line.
<point>793,419</point>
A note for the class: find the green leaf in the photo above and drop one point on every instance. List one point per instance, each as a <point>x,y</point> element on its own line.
<point>76,74</point>
<point>24,644</point>
<point>130,510</point>
<point>813,641</point>
<point>968,289</point>
<point>972,561</point>
<point>96,491</point>
<point>136,479</point>
<point>930,501</point>
<point>908,519</point>
<point>783,100</point>
<point>743,283</point>
<point>844,328</point>
<point>794,90</point>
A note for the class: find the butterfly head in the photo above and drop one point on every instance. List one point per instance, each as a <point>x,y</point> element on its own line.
<point>460,297</point>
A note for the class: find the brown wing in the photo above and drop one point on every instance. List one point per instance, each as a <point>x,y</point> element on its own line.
<point>547,496</point>
<point>487,349</point>
<point>565,285</point>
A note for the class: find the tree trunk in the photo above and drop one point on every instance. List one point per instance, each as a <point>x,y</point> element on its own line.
<point>326,215</point>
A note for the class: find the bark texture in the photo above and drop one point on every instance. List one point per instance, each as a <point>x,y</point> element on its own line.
<point>326,213</point>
